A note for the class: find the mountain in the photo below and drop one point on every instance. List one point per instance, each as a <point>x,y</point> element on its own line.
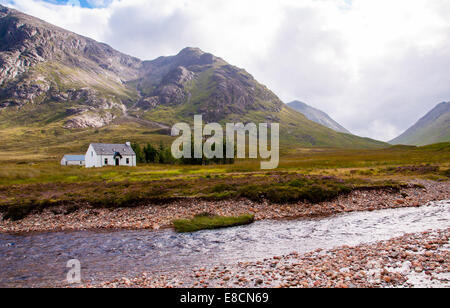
<point>317,116</point>
<point>75,77</point>
<point>434,127</point>
<point>60,90</point>
<point>195,82</point>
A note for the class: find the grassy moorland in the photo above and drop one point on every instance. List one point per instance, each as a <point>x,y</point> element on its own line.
<point>425,162</point>
<point>304,174</point>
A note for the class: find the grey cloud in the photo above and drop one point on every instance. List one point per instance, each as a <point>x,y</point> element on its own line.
<point>291,65</point>
<point>133,32</point>
<point>400,89</point>
<point>393,91</point>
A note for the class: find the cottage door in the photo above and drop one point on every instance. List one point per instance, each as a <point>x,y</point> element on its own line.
<point>117,161</point>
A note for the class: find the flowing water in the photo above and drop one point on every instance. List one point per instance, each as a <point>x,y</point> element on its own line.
<point>40,259</point>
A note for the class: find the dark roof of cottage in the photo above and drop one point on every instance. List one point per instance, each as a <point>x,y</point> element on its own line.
<point>111,149</point>
<point>74,157</point>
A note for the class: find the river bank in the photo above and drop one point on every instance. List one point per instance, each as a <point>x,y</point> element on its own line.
<point>413,260</point>
<point>40,259</point>
<point>154,217</point>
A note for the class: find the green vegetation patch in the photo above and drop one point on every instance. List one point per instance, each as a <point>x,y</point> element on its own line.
<point>303,189</point>
<point>208,222</point>
<point>291,188</point>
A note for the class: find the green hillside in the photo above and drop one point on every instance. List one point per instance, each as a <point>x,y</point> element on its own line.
<point>434,127</point>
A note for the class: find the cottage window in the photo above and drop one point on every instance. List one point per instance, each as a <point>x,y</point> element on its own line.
<point>106,161</point>
<point>128,161</point>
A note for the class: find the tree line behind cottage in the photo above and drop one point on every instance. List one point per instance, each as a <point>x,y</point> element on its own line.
<point>162,154</point>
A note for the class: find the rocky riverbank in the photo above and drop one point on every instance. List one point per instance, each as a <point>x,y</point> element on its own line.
<point>414,260</point>
<point>156,217</point>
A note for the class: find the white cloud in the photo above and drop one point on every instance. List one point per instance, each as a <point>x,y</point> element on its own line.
<point>376,66</point>
<point>89,22</point>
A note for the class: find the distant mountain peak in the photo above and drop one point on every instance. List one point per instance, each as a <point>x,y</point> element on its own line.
<point>317,116</point>
<point>194,56</point>
<point>191,51</point>
<point>443,104</point>
<point>298,103</point>
<point>434,127</point>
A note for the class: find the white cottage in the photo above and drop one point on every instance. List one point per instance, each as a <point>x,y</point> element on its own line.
<point>102,155</point>
<point>73,160</point>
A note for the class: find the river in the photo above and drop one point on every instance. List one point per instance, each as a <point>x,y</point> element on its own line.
<point>39,260</point>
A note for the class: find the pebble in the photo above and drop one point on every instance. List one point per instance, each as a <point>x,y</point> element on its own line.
<point>363,266</point>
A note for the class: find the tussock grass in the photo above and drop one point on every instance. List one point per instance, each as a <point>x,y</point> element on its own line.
<point>208,222</point>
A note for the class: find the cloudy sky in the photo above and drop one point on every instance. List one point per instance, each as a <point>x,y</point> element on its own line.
<point>376,66</point>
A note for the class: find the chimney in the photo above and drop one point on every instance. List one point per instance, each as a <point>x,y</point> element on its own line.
<point>128,143</point>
